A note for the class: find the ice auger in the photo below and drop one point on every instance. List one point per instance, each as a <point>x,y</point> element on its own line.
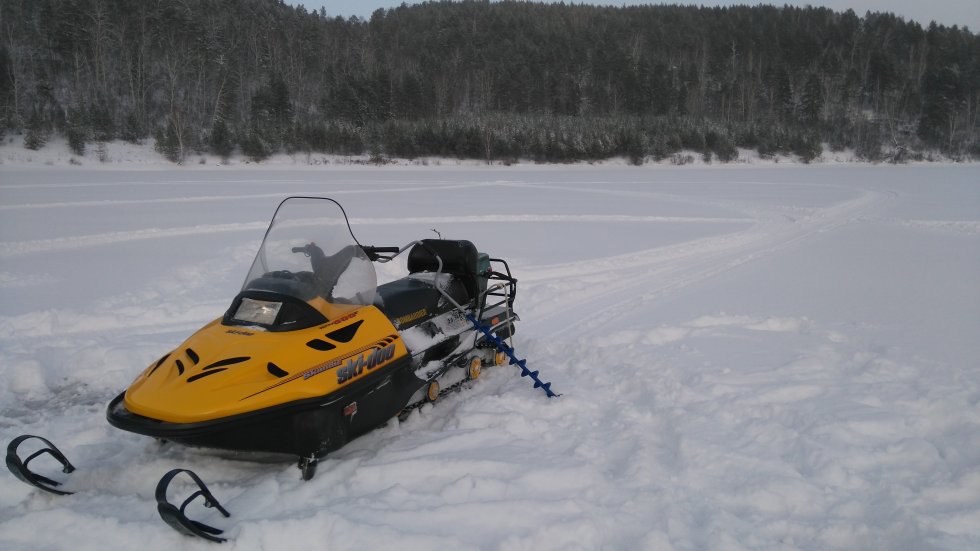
<point>507,290</point>
<point>500,345</point>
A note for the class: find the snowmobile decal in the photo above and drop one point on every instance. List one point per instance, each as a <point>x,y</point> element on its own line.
<point>313,372</point>
<point>339,320</point>
<point>411,317</point>
<point>387,342</point>
<point>361,364</point>
<point>359,352</point>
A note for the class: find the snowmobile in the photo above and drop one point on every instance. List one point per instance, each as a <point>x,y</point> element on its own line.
<point>312,352</point>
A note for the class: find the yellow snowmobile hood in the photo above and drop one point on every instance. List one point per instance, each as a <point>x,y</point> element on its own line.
<point>226,370</point>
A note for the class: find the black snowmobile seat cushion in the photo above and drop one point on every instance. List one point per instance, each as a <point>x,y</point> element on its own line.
<point>411,301</point>
<point>459,258</point>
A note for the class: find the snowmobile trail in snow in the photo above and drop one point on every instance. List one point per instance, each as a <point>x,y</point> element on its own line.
<point>9,249</point>
<point>222,198</point>
<point>612,287</point>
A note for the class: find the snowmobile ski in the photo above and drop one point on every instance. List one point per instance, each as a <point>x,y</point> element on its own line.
<point>176,518</point>
<point>20,469</point>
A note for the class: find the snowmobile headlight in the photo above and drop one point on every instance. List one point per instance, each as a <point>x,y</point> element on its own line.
<point>262,312</point>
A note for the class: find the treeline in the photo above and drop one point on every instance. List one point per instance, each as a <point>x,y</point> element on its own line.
<point>495,81</point>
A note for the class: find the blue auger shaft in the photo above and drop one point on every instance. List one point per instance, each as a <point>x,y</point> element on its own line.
<point>502,346</point>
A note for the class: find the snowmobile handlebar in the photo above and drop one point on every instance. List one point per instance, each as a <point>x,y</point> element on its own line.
<point>311,250</point>
<point>374,253</point>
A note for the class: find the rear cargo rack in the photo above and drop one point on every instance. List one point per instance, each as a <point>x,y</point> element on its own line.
<point>503,291</point>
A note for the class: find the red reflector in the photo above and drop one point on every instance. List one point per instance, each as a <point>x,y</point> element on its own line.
<point>351,409</point>
<point>494,321</point>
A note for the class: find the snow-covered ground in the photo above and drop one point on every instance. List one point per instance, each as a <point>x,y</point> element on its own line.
<point>777,357</point>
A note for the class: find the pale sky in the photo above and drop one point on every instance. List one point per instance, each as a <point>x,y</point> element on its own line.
<point>946,12</point>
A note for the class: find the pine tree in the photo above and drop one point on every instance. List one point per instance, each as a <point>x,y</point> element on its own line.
<point>220,142</point>
<point>77,131</point>
<point>940,97</point>
<point>169,144</point>
<point>813,100</point>
<point>37,134</point>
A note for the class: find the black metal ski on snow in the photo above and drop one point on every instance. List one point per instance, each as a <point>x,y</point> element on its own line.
<point>171,514</point>
<point>18,466</point>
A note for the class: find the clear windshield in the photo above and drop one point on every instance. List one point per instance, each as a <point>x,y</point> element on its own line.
<point>309,252</point>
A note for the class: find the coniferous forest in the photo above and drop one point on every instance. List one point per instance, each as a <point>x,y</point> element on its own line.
<point>498,81</point>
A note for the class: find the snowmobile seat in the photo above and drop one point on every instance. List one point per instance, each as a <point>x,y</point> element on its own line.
<point>412,300</point>
<point>459,258</point>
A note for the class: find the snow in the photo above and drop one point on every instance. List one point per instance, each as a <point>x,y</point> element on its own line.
<point>749,356</point>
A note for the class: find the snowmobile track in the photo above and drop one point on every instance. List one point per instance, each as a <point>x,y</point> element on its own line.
<point>630,282</point>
